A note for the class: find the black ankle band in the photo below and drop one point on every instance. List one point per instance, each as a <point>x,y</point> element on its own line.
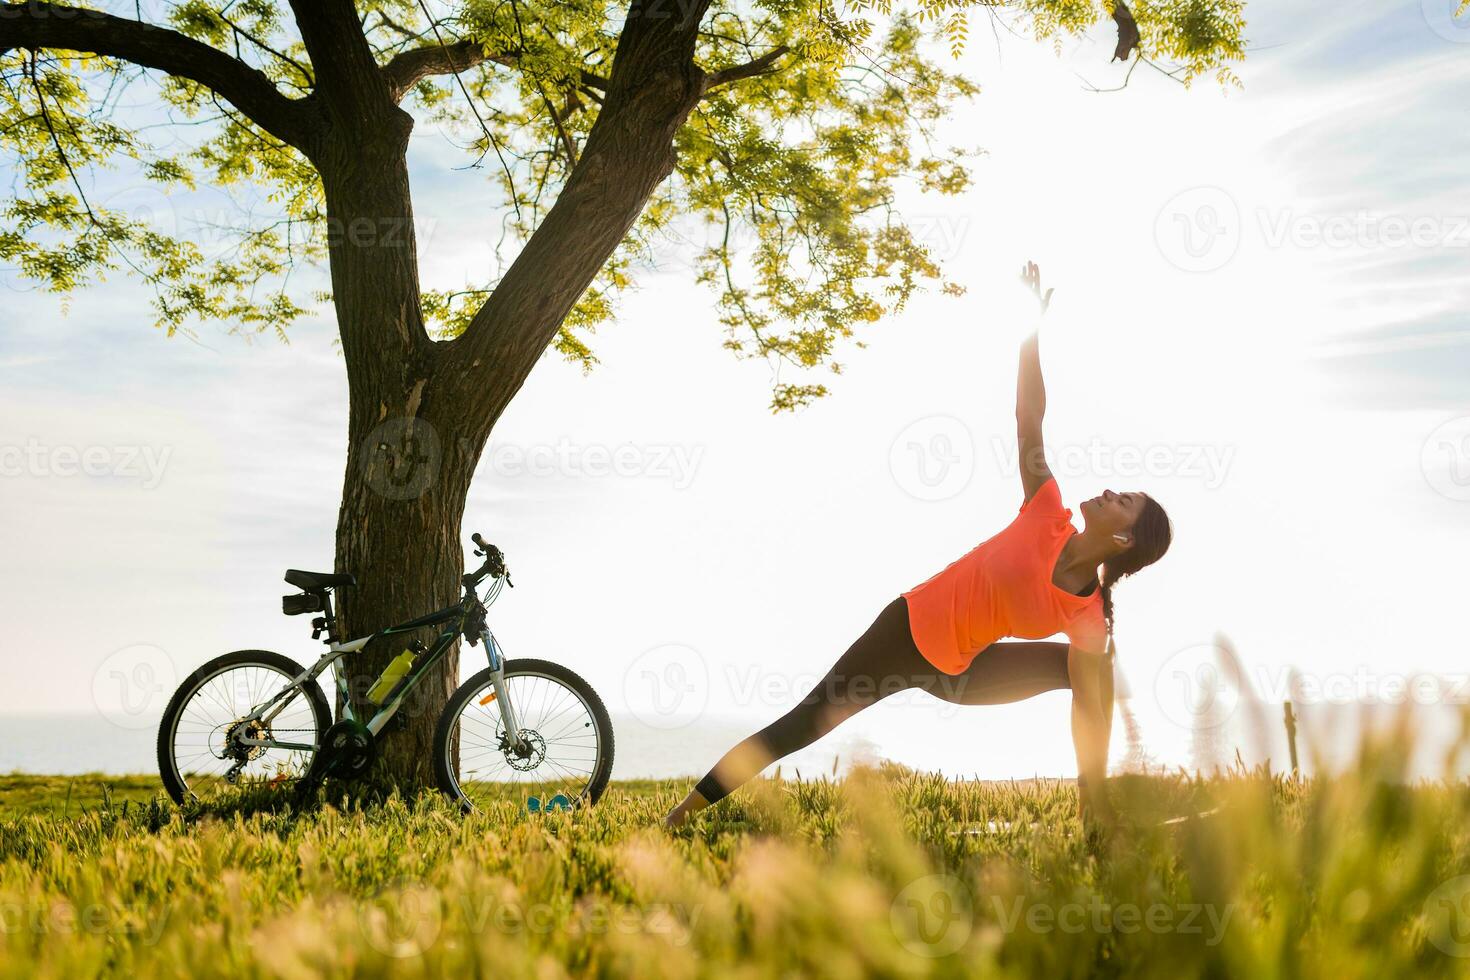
<point>710,789</point>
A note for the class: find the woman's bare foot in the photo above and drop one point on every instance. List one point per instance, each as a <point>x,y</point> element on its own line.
<point>690,805</point>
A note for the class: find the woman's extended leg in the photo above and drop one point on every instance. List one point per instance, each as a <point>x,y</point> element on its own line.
<point>881,662</point>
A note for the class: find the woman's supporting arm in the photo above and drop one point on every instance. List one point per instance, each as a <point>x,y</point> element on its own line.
<point>1092,708</point>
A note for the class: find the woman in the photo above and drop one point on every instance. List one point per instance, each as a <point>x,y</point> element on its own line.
<point>1037,577</point>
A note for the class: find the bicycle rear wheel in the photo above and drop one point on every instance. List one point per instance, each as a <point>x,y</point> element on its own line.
<point>567,733</point>
<point>197,756</point>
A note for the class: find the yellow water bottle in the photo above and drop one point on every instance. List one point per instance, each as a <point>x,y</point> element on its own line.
<point>394,673</point>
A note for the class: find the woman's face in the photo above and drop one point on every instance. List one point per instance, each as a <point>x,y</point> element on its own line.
<point>1113,513</point>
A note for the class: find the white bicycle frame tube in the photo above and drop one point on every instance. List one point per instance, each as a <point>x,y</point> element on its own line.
<point>270,709</point>
<point>336,651</point>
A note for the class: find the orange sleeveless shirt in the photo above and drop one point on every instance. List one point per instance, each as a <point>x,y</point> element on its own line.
<point>1003,588</point>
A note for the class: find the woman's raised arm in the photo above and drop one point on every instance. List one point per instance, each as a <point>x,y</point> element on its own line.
<point>1031,397</point>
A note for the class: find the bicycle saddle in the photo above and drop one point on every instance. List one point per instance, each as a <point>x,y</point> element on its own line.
<point>312,581</point>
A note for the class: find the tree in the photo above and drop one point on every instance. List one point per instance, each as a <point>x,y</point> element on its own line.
<point>782,122</point>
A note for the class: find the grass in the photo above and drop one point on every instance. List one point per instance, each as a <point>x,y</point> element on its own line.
<point>63,796</point>
<point>886,873</point>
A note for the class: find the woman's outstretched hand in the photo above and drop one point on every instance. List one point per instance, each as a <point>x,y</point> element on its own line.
<point>1094,808</point>
<point>1031,278</point>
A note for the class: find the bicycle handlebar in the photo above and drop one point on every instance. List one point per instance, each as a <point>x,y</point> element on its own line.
<point>494,563</point>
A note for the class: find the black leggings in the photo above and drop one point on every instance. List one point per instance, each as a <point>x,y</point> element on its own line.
<point>881,662</point>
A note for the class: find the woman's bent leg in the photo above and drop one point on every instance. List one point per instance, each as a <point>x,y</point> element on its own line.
<point>1006,672</point>
<point>879,663</point>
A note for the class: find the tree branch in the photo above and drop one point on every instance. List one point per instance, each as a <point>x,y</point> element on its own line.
<point>30,74</point>
<point>566,139</point>
<point>763,65</point>
<point>348,83</point>
<point>51,26</point>
<point>240,32</point>
<point>628,152</point>
<point>407,69</point>
<point>1128,37</point>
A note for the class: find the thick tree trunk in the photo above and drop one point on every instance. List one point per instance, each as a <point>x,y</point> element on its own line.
<point>410,453</point>
<point>399,533</point>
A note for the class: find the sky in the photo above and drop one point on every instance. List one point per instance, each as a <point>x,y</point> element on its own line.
<point>1259,320</point>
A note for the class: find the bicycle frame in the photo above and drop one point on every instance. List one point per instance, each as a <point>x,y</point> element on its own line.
<point>452,618</point>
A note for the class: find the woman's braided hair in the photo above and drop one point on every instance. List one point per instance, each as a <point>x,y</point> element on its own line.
<point>1152,533</point>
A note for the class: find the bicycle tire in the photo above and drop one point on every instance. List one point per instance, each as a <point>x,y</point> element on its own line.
<point>602,769</point>
<point>173,781</point>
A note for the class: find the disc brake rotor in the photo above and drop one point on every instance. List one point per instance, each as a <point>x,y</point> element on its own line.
<point>530,756</point>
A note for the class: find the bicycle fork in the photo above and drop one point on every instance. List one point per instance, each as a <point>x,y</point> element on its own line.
<point>501,694</point>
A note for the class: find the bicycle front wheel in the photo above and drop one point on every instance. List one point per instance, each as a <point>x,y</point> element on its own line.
<point>200,752</point>
<point>566,738</point>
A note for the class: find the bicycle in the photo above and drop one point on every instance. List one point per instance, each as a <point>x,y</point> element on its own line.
<point>240,732</point>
